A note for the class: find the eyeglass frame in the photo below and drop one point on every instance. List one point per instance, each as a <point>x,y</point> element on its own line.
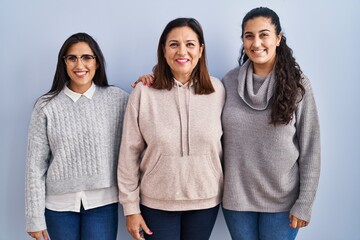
<point>77,58</point>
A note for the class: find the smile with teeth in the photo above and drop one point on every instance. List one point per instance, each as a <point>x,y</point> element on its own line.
<point>80,74</point>
<point>182,60</point>
<point>258,52</point>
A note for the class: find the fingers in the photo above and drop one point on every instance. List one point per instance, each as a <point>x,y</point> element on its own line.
<point>297,222</point>
<point>146,229</point>
<point>44,234</point>
<point>39,234</point>
<point>133,85</point>
<point>136,226</point>
<point>146,80</point>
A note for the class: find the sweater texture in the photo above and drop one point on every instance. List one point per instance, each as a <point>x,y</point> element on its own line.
<point>170,156</point>
<point>72,147</point>
<point>268,168</point>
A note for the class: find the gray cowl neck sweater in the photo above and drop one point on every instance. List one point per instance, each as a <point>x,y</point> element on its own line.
<point>268,168</point>
<point>254,90</point>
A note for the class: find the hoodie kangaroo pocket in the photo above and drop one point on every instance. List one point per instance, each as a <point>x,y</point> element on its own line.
<point>183,178</point>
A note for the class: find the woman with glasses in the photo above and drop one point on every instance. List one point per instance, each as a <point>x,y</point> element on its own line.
<point>73,145</point>
<point>169,174</point>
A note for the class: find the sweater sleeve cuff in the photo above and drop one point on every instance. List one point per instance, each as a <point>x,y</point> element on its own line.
<point>34,224</point>
<point>131,208</point>
<point>302,212</point>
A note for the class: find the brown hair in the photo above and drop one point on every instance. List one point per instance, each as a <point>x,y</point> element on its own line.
<point>200,75</point>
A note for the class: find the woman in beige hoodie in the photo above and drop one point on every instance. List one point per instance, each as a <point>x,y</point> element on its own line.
<point>169,172</point>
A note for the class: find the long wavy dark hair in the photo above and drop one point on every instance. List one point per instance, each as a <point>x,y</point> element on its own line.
<point>200,74</point>
<point>61,77</point>
<point>288,90</point>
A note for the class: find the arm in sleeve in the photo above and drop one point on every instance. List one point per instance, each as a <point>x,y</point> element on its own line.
<point>308,134</point>
<point>132,146</point>
<point>38,155</point>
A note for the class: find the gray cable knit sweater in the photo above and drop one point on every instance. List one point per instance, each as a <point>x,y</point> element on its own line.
<point>268,168</point>
<point>72,146</point>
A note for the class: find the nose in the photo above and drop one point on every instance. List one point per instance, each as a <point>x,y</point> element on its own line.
<point>257,42</point>
<point>182,50</point>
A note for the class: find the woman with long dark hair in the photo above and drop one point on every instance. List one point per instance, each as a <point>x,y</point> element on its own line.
<point>271,136</point>
<point>73,146</point>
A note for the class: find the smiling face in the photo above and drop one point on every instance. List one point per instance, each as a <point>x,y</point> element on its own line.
<point>260,42</point>
<point>81,75</point>
<point>182,51</point>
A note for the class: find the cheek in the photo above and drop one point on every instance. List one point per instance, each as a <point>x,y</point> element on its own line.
<point>94,68</point>
<point>246,46</point>
<point>167,58</point>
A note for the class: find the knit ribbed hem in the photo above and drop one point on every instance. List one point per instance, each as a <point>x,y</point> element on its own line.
<point>66,186</point>
<point>242,208</point>
<point>180,205</point>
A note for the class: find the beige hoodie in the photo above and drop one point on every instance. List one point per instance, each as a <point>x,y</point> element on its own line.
<point>170,155</point>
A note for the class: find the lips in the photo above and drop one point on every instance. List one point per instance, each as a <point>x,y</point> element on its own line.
<point>182,60</point>
<point>259,52</point>
<point>80,74</point>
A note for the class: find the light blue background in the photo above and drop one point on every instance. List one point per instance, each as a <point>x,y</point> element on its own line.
<point>324,35</point>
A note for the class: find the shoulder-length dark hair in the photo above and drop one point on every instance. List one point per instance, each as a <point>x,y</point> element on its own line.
<point>288,89</point>
<point>200,75</point>
<point>61,77</point>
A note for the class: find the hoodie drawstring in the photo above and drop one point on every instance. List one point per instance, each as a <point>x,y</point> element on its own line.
<point>187,95</point>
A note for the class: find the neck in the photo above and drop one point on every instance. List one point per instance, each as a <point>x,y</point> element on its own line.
<point>262,70</point>
<point>79,88</point>
<point>182,78</point>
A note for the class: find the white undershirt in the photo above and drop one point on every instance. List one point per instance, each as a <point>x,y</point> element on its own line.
<point>90,198</point>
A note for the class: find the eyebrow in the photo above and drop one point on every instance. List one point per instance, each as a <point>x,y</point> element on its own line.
<point>263,30</point>
<point>191,40</point>
<point>70,54</point>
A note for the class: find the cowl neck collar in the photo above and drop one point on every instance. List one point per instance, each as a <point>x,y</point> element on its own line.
<point>261,99</point>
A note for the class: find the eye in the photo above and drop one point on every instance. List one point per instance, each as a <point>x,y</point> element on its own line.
<point>173,45</point>
<point>190,45</point>
<point>71,58</point>
<point>264,35</point>
<point>87,57</point>
<point>248,36</point>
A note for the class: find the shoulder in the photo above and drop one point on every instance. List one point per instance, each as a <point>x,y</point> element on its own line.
<point>231,75</point>
<point>113,94</point>
<point>308,99</point>
<point>217,84</point>
<point>230,78</point>
<point>113,90</point>
<point>141,89</point>
<point>305,82</point>
<point>41,102</point>
<point>47,101</point>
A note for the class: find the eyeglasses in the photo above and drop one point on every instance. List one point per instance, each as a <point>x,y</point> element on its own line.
<point>86,59</point>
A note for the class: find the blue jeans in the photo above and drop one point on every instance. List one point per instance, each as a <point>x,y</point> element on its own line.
<point>93,224</point>
<point>176,225</point>
<point>259,225</point>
